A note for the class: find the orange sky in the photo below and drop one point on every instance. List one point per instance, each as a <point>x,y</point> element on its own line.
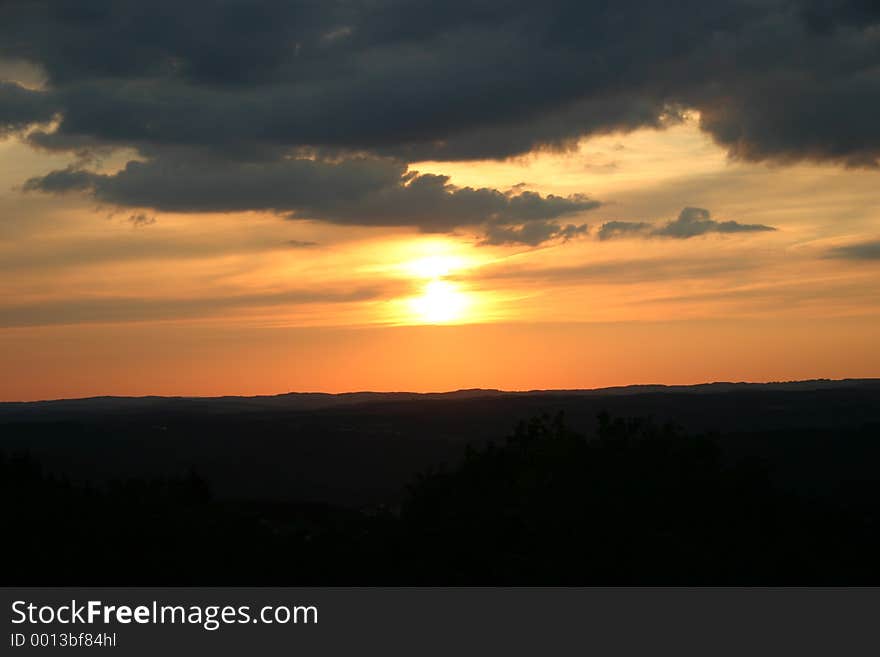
<point>94,303</point>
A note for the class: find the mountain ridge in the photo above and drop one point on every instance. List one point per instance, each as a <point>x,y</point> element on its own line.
<point>395,395</point>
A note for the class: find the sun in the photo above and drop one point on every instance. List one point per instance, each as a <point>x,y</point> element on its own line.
<point>441,302</point>
<point>437,272</point>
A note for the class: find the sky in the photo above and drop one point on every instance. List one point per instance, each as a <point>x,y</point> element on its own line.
<point>255,197</point>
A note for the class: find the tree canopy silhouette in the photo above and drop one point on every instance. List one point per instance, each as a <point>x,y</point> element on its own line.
<point>635,502</point>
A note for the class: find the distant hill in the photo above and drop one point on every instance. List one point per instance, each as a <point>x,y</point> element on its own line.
<point>364,447</point>
<point>309,401</point>
<point>328,480</point>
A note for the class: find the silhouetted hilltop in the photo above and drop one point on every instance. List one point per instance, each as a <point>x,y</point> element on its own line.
<point>291,401</point>
<point>362,448</point>
<point>307,401</point>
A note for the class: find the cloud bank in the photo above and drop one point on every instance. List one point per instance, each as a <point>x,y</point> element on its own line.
<point>356,191</point>
<point>207,90</point>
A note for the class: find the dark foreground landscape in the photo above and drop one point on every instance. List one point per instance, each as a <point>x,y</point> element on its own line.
<point>714,484</point>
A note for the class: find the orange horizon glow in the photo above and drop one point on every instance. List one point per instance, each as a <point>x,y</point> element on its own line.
<point>196,359</point>
<point>251,303</point>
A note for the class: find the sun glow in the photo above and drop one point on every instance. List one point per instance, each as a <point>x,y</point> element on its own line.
<point>441,302</point>
<point>442,276</point>
<point>435,266</point>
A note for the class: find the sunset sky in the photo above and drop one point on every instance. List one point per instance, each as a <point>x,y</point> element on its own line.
<point>209,198</point>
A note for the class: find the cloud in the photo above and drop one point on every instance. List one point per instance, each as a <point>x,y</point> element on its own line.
<point>772,79</point>
<point>532,234</point>
<point>135,309</point>
<point>356,191</point>
<point>139,220</point>
<point>691,222</point>
<point>860,251</point>
<point>317,109</point>
<point>147,246</point>
<point>617,272</point>
<point>611,229</point>
<point>20,107</point>
<point>696,221</point>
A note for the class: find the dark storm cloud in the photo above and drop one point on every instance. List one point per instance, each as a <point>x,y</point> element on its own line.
<point>558,129</point>
<point>691,222</point>
<point>826,15</point>
<point>20,107</point>
<point>357,191</point>
<point>401,75</point>
<point>248,83</point>
<point>451,79</point>
<point>218,185</point>
<point>861,251</point>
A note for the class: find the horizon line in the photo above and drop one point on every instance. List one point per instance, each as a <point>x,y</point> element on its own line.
<point>499,391</point>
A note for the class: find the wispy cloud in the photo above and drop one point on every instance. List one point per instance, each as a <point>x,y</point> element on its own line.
<point>859,251</point>
<point>691,222</point>
<point>139,309</point>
